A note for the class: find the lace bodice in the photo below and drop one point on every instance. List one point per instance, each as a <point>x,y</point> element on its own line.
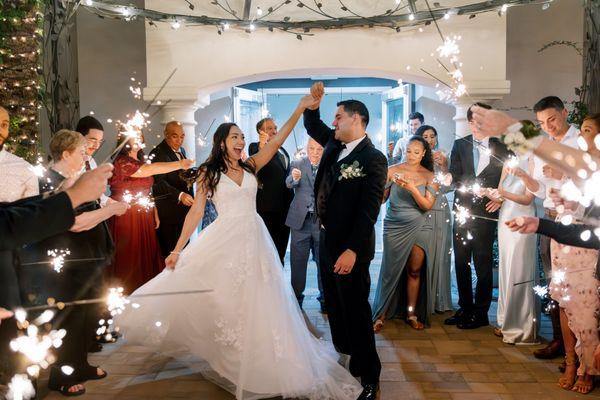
<point>233,200</point>
<point>121,180</point>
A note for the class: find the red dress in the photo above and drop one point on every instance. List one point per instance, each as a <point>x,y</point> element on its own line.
<point>137,255</point>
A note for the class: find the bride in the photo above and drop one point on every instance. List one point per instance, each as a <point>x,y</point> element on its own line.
<point>247,327</point>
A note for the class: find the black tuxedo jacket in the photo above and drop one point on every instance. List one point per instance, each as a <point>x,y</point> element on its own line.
<point>23,222</point>
<point>347,207</point>
<point>273,196</point>
<point>167,187</point>
<point>463,173</point>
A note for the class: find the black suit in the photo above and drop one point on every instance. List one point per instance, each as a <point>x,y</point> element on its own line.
<point>483,231</point>
<point>166,191</point>
<point>273,197</point>
<point>348,210</point>
<point>22,222</point>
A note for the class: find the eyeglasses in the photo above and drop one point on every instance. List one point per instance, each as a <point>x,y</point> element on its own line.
<point>96,142</point>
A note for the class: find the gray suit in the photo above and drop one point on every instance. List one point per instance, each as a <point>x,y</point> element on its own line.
<point>305,228</point>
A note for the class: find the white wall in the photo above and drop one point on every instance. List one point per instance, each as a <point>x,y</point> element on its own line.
<point>556,71</point>
<point>209,62</point>
<point>109,53</point>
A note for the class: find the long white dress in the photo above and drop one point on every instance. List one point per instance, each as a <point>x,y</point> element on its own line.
<point>249,328</point>
<point>518,309</point>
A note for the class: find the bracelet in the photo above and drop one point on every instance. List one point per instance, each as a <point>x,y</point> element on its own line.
<point>175,252</point>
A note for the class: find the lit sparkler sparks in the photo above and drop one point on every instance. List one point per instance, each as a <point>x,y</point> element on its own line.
<point>116,301</point>
<point>541,291</point>
<point>132,130</point>
<point>35,347</point>
<point>462,214</point>
<point>20,388</point>
<point>58,258</point>
<point>146,202</point>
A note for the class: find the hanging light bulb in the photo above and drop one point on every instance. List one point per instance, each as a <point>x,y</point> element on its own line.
<point>226,26</point>
<point>252,27</point>
<point>175,25</point>
<point>259,11</point>
<point>504,8</point>
<point>411,17</point>
<point>447,16</point>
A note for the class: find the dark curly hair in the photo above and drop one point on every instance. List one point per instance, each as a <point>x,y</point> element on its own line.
<point>427,160</point>
<point>216,163</point>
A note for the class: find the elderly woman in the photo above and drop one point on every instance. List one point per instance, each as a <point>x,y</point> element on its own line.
<point>90,247</point>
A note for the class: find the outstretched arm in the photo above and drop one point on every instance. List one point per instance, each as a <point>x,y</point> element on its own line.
<point>158,168</point>
<point>267,152</point>
<point>192,220</point>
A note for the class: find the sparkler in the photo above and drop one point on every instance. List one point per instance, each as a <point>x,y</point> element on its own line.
<point>145,202</point>
<point>131,129</point>
<point>58,258</point>
<point>463,214</point>
<point>20,388</point>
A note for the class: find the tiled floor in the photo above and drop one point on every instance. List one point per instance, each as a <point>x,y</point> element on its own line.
<point>439,363</point>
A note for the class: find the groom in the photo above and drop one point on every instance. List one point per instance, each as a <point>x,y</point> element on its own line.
<point>348,191</point>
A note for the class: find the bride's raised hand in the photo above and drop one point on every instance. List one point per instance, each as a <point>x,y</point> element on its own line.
<point>171,261</point>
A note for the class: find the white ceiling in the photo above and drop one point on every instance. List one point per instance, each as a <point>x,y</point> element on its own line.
<point>332,8</point>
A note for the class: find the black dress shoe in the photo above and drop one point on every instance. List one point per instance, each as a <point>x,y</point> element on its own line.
<point>369,392</point>
<point>457,318</point>
<point>473,322</point>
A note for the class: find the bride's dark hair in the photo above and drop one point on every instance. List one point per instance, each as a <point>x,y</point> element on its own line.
<point>209,172</point>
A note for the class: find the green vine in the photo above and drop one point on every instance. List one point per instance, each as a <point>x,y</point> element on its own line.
<point>20,41</point>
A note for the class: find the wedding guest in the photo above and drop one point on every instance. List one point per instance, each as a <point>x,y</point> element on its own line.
<point>439,275</point>
<point>494,123</point>
<point>552,116</point>
<point>17,179</point>
<point>137,256</point>
<point>50,214</point>
<point>303,221</point>
<point>93,132</point>
<point>173,196</point>
<point>415,120</point>
<point>574,286</point>
<point>475,161</point>
<point>518,308</point>
<point>88,242</point>
<point>273,197</point>
<point>403,289</point>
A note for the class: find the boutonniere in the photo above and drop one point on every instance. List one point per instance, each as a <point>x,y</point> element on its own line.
<point>354,170</point>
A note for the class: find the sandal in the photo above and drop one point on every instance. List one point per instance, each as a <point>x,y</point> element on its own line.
<point>64,390</point>
<point>498,332</point>
<point>91,374</point>
<point>378,325</point>
<point>567,382</point>
<point>583,387</point>
<point>414,323</point>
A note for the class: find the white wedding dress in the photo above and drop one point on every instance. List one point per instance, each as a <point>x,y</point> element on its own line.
<point>249,329</point>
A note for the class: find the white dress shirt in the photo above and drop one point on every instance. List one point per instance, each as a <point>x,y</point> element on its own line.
<point>17,179</point>
<point>484,154</point>
<point>349,147</point>
<point>570,139</point>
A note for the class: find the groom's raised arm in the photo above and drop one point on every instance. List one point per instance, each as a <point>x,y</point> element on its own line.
<point>369,202</point>
<point>316,128</point>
